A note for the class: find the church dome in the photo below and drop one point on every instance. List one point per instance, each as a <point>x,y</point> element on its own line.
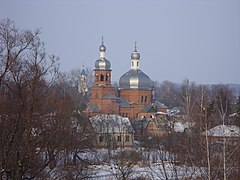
<point>135,55</point>
<point>135,79</point>
<point>102,48</point>
<point>102,64</point>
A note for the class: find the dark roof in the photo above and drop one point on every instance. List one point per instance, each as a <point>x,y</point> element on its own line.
<point>120,101</point>
<point>123,103</point>
<point>149,108</point>
<point>110,96</point>
<point>93,107</point>
<point>83,73</point>
<point>160,105</point>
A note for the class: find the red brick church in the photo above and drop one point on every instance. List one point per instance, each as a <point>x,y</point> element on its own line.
<point>133,98</point>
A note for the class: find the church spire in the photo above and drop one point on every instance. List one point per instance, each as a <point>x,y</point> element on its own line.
<point>102,50</point>
<point>82,87</point>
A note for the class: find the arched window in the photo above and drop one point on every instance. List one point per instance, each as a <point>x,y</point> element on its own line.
<point>107,77</point>
<point>132,63</point>
<point>137,63</point>
<point>97,77</point>
<point>145,98</point>
<point>102,77</point>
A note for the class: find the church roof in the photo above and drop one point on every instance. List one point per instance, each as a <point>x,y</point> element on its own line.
<point>123,103</point>
<point>110,96</point>
<point>120,101</point>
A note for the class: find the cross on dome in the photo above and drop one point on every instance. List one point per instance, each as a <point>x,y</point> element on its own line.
<point>102,40</point>
<point>102,48</point>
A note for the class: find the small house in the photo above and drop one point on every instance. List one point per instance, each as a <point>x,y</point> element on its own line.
<point>112,131</point>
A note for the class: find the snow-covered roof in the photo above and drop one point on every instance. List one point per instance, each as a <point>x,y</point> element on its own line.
<point>176,111</point>
<point>161,113</point>
<point>224,131</point>
<point>111,124</point>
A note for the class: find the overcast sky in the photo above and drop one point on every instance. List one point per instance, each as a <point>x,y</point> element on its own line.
<point>177,39</point>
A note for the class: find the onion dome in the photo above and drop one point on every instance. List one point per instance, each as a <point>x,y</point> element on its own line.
<point>102,63</point>
<point>135,54</point>
<point>135,79</point>
<point>102,48</point>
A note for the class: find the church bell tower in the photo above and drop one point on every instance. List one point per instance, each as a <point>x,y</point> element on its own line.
<point>102,69</point>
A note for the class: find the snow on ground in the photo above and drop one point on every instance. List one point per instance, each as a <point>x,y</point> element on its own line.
<point>154,172</point>
<point>158,166</point>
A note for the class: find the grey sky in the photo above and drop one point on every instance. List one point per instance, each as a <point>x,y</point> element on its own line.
<point>194,39</point>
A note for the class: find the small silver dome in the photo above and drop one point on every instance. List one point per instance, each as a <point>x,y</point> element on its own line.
<point>135,79</point>
<point>102,64</point>
<point>102,48</point>
<point>135,55</point>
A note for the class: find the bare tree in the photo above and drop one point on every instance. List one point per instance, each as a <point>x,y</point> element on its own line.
<point>123,163</point>
<point>69,83</point>
<point>167,93</point>
<point>186,97</point>
<point>13,45</point>
<point>204,111</point>
<point>36,119</point>
<point>222,96</point>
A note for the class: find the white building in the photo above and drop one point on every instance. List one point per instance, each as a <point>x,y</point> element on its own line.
<point>112,131</point>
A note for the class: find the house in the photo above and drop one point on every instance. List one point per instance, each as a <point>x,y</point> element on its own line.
<point>156,109</point>
<point>158,120</point>
<point>217,134</point>
<point>155,127</point>
<point>112,131</point>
